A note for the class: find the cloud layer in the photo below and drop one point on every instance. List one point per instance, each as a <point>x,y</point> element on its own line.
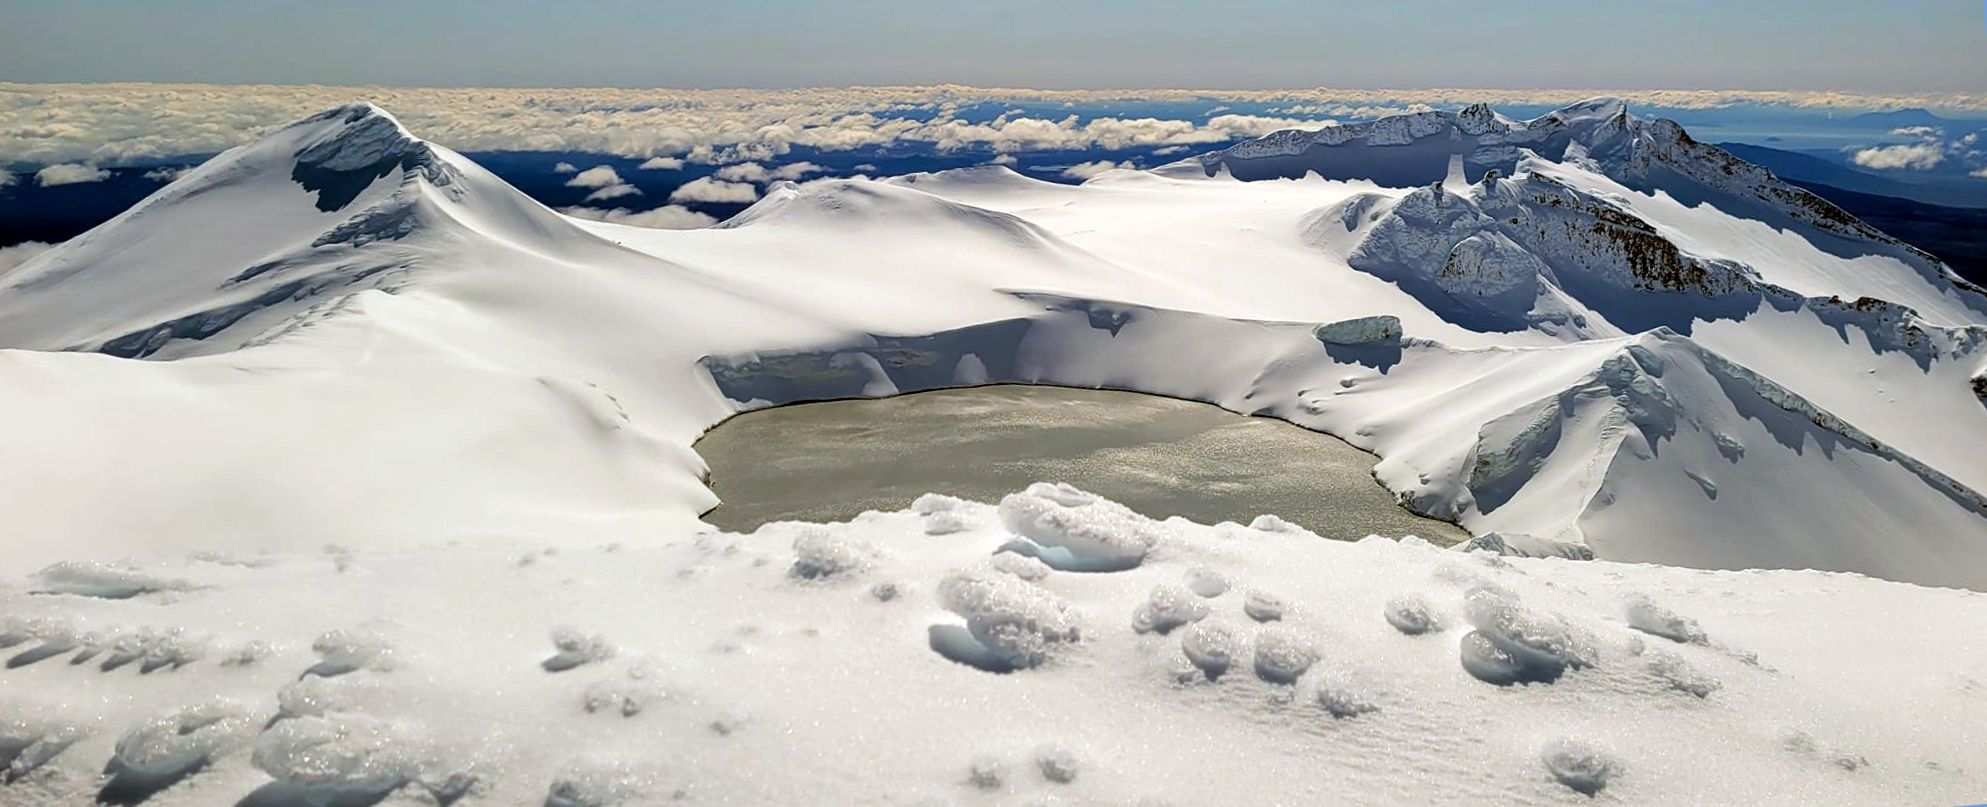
<point>667,217</point>
<point>70,174</point>
<point>716,191</point>
<point>111,124</point>
<point>1932,149</point>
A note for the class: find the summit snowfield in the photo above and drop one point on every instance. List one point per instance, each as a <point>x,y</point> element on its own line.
<point>341,403</point>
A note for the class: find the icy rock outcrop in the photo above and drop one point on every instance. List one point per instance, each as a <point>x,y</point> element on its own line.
<point>1011,624</point>
<point>1074,531</point>
<point>1383,329</point>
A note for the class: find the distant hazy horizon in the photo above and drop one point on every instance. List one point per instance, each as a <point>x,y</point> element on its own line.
<point>1910,45</point>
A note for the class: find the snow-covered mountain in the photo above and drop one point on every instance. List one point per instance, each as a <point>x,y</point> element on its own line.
<point>1610,338</point>
<point>353,367</point>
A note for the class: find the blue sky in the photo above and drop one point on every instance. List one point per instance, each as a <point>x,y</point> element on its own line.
<point>1864,45</point>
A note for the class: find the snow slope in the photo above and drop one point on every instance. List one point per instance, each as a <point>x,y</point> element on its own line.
<point>923,657</point>
<point>1608,346</point>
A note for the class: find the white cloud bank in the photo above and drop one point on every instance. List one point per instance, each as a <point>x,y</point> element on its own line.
<point>754,172</point>
<point>116,123</point>
<point>21,253</point>
<point>668,217</point>
<point>1091,169</point>
<point>1915,156</point>
<point>599,176</point>
<point>716,191</point>
<point>662,164</point>
<point>70,174</point>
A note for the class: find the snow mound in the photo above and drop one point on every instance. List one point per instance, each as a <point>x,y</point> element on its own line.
<point>1011,624</point>
<point>1211,647</point>
<point>1283,655</point>
<point>1648,617</point>
<point>350,650</point>
<point>1263,606</point>
<point>1410,614</point>
<point>1514,645</point>
<point>158,753</point>
<point>1581,766</point>
<point>1168,608</point>
<point>28,743</point>
<point>576,648</point>
<point>821,555</point>
<point>1074,531</point>
<point>338,758</point>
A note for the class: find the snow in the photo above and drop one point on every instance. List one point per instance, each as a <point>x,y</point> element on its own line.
<point>310,453</point>
<point>724,661</point>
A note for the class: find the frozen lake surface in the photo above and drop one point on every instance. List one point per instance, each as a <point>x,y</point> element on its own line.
<point>1163,457</point>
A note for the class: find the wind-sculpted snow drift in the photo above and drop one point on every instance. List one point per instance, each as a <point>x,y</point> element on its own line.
<point>353,367</point>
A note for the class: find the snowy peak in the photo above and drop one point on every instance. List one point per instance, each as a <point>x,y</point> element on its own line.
<point>345,150</point>
<point>343,201</point>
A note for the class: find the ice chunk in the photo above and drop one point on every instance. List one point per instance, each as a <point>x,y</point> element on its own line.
<point>1010,624</point>
<point>104,581</point>
<point>626,693</point>
<point>1269,523</point>
<point>1206,582</point>
<point>27,743</point>
<point>943,515</point>
<point>1071,530</point>
<point>1058,764</point>
<point>1022,566</point>
<point>158,753</point>
<point>1410,614</point>
<point>986,772</point>
<point>1263,606</point>
<point>576,648</point>
<point>1584,767</point>
<point>1211,647</point>
<point>1167,608</point>
<point>1344,694</point>
<point>1513,645</point>
<point>1282,656</point>
<point>1648,617</point>
<point>593,786</point>
<point>821,553</point>
<point>1801,742</point>
<point>343,651</point>
<point>339,758</point>
<point>1675,673</point>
